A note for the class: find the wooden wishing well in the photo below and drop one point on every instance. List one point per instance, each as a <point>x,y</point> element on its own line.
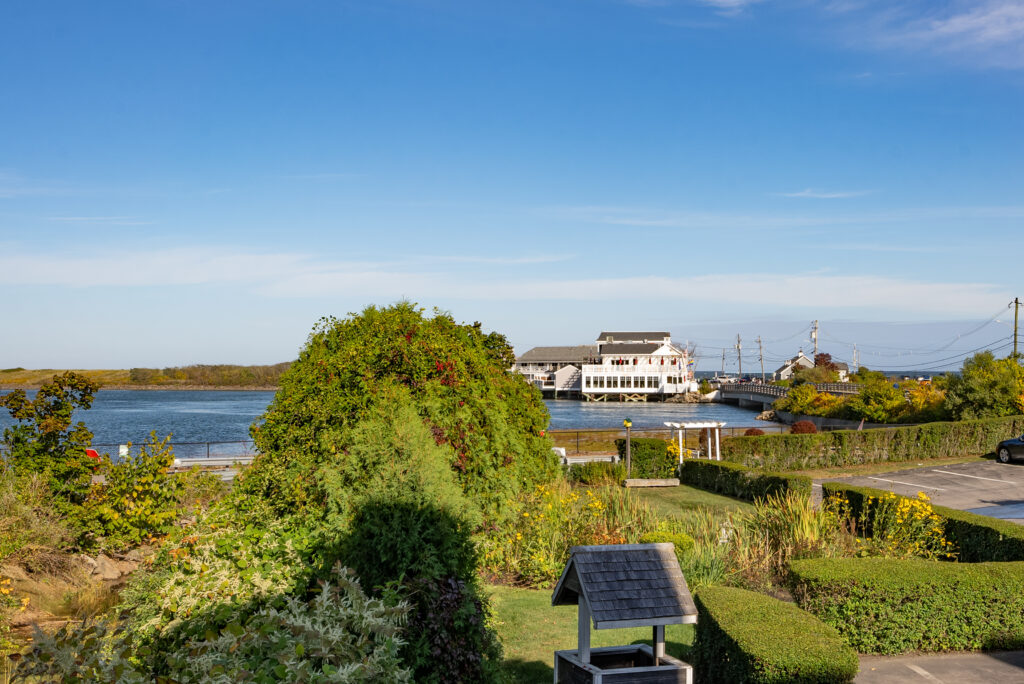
<point>624,585</point>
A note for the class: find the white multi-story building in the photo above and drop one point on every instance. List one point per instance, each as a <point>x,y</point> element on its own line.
<point>620,365</point>
<point>636,365</point>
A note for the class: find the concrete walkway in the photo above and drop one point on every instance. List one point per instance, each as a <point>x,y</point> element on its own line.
<point>1004,667</point>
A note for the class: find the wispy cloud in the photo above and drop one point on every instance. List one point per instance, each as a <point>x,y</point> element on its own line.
<point>823,194</point>
<point>641,217</point>
<point>321,176</point>
<point>106,220</point>
<point>725,8</point>
<point>990,32</point>
<point>14,185</point>
<point>307,276</point>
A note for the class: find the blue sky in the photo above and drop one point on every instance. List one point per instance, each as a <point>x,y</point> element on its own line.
<point>198,182</point>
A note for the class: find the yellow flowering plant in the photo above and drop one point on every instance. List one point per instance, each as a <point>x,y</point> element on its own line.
<point>901,527</point>
<point>533,548</point>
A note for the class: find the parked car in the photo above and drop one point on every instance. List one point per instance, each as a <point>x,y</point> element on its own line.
<point>1010,448</point>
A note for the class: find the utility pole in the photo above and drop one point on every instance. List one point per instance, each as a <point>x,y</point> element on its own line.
<point>856,358</point>
<point>739,354</point>
<point>760,355</point>
<point>1016,317</point>
<point>723,360</point>
<point>814,336</point>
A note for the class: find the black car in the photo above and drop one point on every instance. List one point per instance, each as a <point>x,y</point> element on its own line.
<point>1010,448</point>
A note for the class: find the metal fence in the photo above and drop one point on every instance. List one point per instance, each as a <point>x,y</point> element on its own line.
<point>190,450</point>
<point>602,440</point>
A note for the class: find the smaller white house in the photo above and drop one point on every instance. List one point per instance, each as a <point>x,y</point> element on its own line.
<point>788,369</point>
<point>801,360</point>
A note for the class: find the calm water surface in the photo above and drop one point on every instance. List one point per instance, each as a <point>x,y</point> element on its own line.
<point>119,416</point>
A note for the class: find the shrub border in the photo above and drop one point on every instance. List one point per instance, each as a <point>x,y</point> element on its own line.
<point>978,538</point>
<point>743,636</point>
<point>740,481</point>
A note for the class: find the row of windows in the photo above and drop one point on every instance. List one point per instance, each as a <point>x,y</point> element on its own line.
<point>627,382</point>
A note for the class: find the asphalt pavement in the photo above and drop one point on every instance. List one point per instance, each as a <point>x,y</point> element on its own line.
<point>989,488</point>
<point>1005,667</point>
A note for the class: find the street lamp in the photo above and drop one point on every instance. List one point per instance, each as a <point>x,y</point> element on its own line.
<point>627,423</point>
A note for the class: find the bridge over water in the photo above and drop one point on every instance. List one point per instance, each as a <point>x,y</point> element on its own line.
<point>751,395</point>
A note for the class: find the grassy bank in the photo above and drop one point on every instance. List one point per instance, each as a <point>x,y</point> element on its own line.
<point>531,630</point>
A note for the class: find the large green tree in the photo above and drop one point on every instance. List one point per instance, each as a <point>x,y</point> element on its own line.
<point>44,439</point>
<point>456,376</point>
<point>986,387</point>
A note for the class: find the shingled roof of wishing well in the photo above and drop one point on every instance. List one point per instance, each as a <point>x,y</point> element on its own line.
<point>627,583</point>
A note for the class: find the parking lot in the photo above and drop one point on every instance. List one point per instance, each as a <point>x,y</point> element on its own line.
<point>989,488</point>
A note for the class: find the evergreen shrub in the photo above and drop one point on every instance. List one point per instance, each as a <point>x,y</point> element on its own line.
<point>850,447</point>
<point>744,636</point>
<point>648,457</point>
<point>739,481</point>
<point>457,380</point>
<point>597,473</point>
<point>977,538</point>
<point>890,606</point>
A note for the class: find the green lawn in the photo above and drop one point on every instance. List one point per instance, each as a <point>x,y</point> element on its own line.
<point>531,630</point>
<point>676,501</point>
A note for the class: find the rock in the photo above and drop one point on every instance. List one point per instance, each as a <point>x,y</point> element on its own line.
<point>88,562</point>
<point>767,415</point>
<point>135,555</point>
<point>13,572</point>
<point>106,568</point>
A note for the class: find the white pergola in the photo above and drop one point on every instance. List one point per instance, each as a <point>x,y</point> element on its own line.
<point>681,429</point>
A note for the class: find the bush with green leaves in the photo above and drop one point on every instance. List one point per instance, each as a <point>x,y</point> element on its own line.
<point>458,379</point>
<point>596,473</point>
<point>743,636</point>
<point>649,457</point>
<point>986,387</point>
<point>850,447</point>
<point>138,498</point>
<point>44,440</point>
<point>890,606</point>
<point>336,635</point>
<point>681,542</point>
<point>408,528</point>
<point>734,479</point>
<point>233,561</point>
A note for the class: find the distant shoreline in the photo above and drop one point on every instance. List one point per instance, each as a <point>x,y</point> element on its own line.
<point>158,388</point>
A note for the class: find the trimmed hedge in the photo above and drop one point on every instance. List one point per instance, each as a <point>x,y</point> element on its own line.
<point>733,479</point>
<point>978,538</point>
<point>596,473</point>
<point>649,457</point>
<point>743,636</point>
<point>889,606</point>
<point>845,447</point>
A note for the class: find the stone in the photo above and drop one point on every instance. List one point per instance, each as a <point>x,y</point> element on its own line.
<point>106,568</point>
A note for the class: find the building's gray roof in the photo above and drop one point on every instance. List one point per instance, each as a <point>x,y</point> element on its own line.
<point>639,584</point>
<point>579,354</point>
<point>631,336</point>
<point>627,349</point>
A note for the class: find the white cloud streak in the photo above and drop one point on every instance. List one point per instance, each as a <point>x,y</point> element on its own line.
<point>304,276</point>
<point>641,217</point>
<point>823,194</point>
